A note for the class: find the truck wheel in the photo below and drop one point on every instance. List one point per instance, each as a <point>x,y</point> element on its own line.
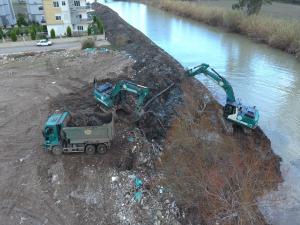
<point>90,149</point>
<point>56,150</point>
<point>101,149</point>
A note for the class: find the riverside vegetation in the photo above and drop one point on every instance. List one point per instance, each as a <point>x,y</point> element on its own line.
<point>282,34</point>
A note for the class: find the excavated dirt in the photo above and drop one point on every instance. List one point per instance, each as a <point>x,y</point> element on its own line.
<point>169,168</point>
<point>39,188</point>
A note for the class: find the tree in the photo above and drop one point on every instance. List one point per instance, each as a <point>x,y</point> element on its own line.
<point>13,35</point>
<point>21,20</point>
<point>33,33</point>
<point>100,26</point>
<point>1,33</point>
<point>69,31</point>
<point>52,33</point>
<point>89,30</point>
<point>252,6</point>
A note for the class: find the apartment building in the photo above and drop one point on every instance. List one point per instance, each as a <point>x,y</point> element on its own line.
<point>35,11</point>
<point>60,14</point>
<point>7,15</point>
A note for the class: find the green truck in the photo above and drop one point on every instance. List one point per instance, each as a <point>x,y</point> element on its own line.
<point>59,137</point>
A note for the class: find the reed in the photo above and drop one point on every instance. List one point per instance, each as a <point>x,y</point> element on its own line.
<point>279,33</point>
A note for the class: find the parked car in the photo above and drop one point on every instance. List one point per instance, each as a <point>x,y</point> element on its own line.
<point>44,42</point>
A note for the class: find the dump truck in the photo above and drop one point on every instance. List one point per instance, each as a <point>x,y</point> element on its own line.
<point>59,137</point>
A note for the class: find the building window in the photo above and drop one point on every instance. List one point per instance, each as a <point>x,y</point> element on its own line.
<point>41,8</point>
<point>80,28</point>
<point>55,4</point>
<point>58,17</point>
<point>77,3</point>
<point>79,16</point>
<point>63,3</point>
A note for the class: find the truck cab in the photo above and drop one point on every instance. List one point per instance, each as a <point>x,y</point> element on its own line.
<point>52,129</point>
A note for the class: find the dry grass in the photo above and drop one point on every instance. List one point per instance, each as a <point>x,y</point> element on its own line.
<point>215,177</point>
<point>278,33</point>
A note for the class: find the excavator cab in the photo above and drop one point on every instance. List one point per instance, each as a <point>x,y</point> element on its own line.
<point>245,115</point>
<point>110,95</point>
<point>102,93</point>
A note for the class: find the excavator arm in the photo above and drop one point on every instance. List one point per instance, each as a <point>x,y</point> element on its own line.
<point>221,81</point>
<point>108,97</point>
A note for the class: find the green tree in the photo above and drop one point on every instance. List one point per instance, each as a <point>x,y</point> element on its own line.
<point>52,33</point>
<point>69,31</point>
<point>89,30</point>
<point>13,35</point>
<point>251,6</point>
<point>21,20</point>
<point>1,33</point>
<point>17,30</point>
<point>33,33</point>
<point>100,26</point>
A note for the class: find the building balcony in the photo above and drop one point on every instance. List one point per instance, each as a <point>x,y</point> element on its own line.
<point>80,8</point>
<point>81,21</point>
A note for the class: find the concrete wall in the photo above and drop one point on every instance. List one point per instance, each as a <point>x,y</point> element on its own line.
<point>60,29</point>
<point>35,10</point>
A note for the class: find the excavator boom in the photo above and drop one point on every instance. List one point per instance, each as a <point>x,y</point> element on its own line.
<point>221,81</point>
<point>233,110</point>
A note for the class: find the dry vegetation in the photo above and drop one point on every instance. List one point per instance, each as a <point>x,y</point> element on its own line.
<point>216,178</point>
<point>278,33</point>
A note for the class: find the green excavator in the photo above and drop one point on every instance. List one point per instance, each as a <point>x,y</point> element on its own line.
<point>109,95</point>
<point>234,110</point>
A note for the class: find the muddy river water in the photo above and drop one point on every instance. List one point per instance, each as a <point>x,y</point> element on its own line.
<point>260,75</point>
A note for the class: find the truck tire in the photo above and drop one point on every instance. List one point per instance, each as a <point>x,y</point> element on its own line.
<point>90,149</point>
<point>101,148</point>
<point>57,150</point>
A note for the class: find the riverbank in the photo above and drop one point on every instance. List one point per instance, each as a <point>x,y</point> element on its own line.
<point>215,170</point>
<point>275,32</point>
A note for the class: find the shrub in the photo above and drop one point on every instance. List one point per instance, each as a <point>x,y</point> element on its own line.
<point>1,33</point>
<point>21,20</point>
<point>13,35</point>
<point>32,34</point>
<point>100,26</point>
<point>44,28</point>
<point>88,43</point>
<point>52,33</point>
<point>17,30</point>
<point>89,30</point>
<point>26,31</point>
<point>69,31</point>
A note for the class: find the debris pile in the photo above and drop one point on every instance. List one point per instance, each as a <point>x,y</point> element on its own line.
<point>139,200</point>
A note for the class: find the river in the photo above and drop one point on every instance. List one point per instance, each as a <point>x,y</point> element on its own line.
<point>260,75</point>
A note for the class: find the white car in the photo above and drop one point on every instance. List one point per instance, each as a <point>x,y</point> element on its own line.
<point>44,42</point>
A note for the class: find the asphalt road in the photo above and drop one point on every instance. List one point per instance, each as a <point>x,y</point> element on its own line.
<point>31,46</point>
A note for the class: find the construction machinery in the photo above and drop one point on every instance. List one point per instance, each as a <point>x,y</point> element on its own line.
<point>59,137</point>
<point>234,110</point>
<point>109,95</point>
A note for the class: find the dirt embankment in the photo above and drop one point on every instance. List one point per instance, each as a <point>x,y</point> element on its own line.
<point>215,169</point>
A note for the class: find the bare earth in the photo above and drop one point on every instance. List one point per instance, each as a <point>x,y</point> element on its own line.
<point>36,187</point>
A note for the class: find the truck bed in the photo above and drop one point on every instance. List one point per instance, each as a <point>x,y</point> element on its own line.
<point>92,134</point>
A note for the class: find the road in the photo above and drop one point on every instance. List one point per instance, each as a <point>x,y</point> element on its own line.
<point>30,46</point>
